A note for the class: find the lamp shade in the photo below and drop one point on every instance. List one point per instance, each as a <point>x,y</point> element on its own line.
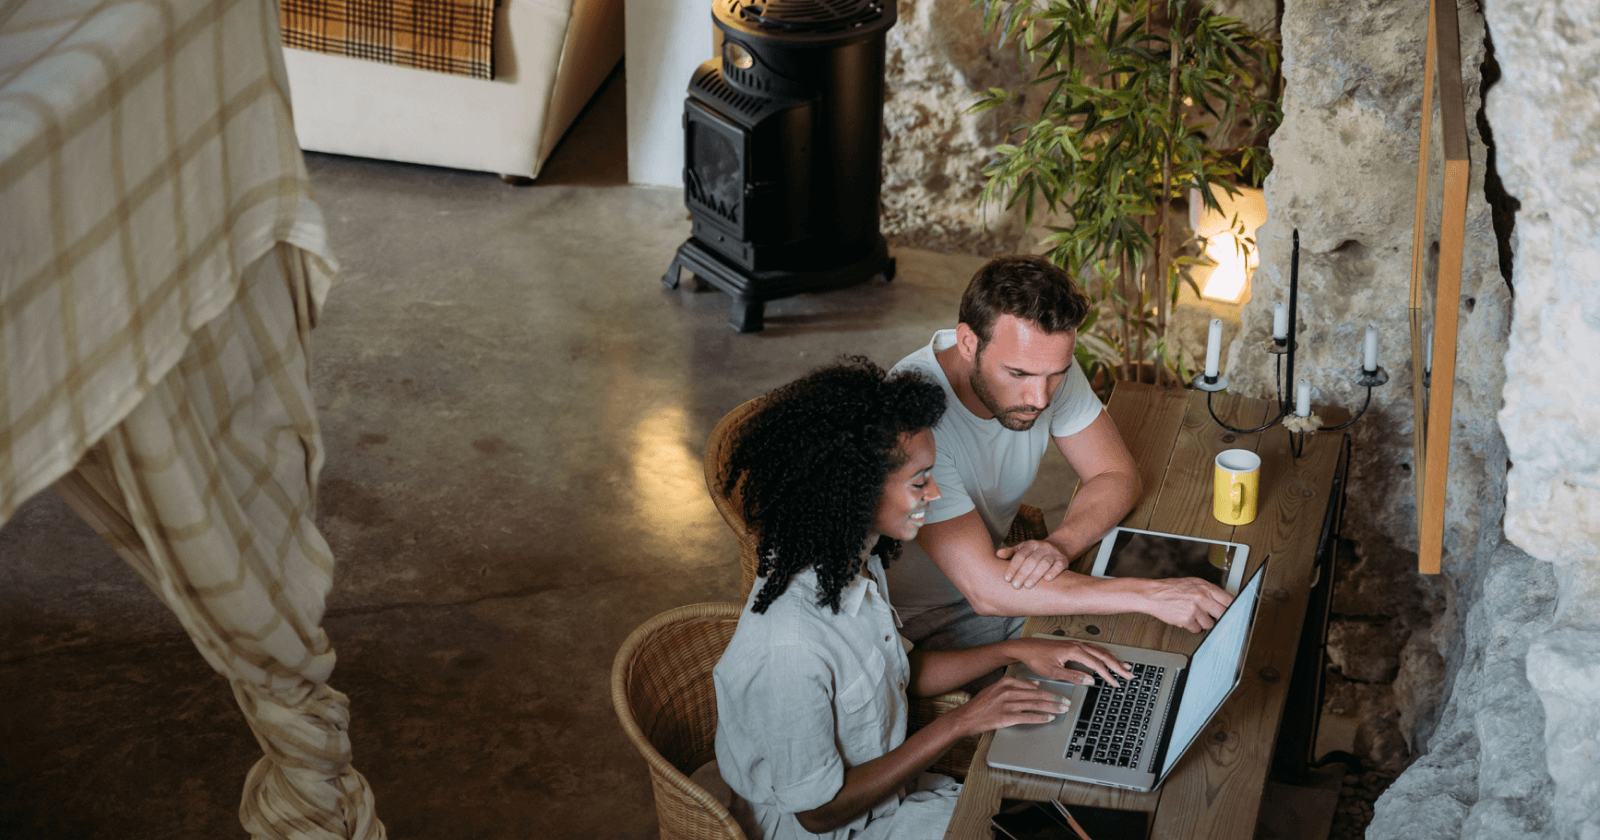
<point>1229,237</point>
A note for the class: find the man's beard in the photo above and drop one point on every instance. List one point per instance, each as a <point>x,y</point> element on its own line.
<point>1008,417</point>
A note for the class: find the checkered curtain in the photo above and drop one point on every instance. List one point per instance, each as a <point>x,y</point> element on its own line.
<point>162,263</point>
<point>450,36</point>
<point>206,489</point>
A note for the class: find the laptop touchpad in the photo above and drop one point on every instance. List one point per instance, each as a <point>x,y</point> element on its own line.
<point>1075,697</point>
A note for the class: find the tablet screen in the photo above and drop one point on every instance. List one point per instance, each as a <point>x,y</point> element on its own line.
<point>1161,556</point>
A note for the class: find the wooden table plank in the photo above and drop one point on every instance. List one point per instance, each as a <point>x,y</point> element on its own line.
<point>1216,791</point>
<point>1177,506</point>
<point>1185,503</point>
<point>1147,418</point>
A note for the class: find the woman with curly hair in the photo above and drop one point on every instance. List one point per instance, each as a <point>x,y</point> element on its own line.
<point>833,472</point>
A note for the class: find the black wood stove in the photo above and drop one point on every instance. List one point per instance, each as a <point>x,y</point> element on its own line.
<point>782,152</point>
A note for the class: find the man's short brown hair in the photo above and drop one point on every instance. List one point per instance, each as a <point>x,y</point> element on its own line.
<point>1025,286</point>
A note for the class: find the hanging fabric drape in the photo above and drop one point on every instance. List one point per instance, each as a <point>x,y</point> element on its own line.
<point>206,490</point>
<point>164,261</point>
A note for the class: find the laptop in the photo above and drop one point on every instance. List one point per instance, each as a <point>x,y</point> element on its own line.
<point>1132,736</point>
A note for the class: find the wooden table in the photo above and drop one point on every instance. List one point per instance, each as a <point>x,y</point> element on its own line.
<point>1216,789</point>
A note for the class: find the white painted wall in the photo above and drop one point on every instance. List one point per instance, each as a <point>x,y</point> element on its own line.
<point>666,40</point>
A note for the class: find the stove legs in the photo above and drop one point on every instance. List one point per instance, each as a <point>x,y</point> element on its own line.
<point>750,289</point>
<point>746,315</point>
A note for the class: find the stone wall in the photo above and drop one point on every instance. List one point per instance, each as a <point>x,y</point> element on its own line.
<point>1344,175</point>
<point>939,61</point>
<point>1517,751</point>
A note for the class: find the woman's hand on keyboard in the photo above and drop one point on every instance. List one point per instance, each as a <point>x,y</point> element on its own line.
<point>1049,657</point>
<point>1007,703</point>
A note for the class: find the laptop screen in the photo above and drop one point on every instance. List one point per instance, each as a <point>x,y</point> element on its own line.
<point>1213,670</point>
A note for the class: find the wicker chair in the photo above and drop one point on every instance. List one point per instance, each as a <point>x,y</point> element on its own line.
<point>662,690</point>
<point>1029,525</point>
<point>730,505</point>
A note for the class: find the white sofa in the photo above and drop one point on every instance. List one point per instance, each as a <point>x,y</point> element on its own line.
<point>550,56</point>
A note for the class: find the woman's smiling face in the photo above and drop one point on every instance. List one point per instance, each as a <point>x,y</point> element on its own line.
<point>908,490</point>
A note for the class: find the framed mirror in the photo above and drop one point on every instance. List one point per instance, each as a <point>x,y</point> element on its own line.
<point>1436,247</point>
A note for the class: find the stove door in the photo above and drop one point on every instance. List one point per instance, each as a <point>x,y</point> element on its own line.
<point>716,169</point>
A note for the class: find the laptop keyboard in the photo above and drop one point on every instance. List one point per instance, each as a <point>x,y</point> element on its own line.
<point>1115,722</point>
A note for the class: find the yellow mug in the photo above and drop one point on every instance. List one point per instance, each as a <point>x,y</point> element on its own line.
<point>1236,487</point>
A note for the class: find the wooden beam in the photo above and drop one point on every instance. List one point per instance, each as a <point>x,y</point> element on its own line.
<point>1433,405</point>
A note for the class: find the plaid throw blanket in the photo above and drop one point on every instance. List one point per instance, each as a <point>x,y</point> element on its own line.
<point>450,36</point>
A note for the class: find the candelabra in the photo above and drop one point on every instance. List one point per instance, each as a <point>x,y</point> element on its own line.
<point>1298,419</point>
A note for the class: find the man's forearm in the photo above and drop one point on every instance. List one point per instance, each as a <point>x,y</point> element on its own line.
<point>962,549</point>
<point>1069,594</point>
<point>1100,505</point>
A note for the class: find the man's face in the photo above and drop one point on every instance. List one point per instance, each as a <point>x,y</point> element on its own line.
<point>908,490</point>
<point>1017,372</point>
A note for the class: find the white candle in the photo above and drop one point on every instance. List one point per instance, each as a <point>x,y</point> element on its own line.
<point>1280,322</point>
<point>1427,364</point>
<point>1213,347</point>
<point>1302,399</point>
<point>1369,362</point>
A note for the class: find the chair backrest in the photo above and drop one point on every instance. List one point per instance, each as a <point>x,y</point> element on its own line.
<point>1028,525</point>
<point>717,448</point>
<point>662,690</point>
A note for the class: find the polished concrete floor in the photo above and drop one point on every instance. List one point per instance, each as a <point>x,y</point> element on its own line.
<point>514,410</point>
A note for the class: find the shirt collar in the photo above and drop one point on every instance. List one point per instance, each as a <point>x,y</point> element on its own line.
<point>853,593</point>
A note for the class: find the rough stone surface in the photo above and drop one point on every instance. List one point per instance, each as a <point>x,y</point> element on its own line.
<point>1484,775</point>
<point>939,61</point>
<point>1549,107</point>
<point>1564,667</point>
<point>1546,111</point>
<point>1345,160</point>
<point>1363,651</point>
<point>1377,741</point>
<point>1417,687</point>
<point>1550,54</point>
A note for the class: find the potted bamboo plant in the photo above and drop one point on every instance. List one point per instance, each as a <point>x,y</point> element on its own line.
<point>1145,102</point>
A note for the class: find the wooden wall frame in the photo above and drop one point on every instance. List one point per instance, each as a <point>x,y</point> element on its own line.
<point>1433,392</point>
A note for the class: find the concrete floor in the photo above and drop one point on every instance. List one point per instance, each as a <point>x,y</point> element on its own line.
<point>514,410</point>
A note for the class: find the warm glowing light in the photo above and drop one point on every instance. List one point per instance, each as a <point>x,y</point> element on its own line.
<point>1230,241</point>
<point>668,480</point>
<point>1235,261</point>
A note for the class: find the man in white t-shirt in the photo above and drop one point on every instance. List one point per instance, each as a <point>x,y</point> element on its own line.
<point>1012,388</point>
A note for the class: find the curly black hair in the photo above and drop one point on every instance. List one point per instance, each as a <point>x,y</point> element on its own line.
<point>810,464</point>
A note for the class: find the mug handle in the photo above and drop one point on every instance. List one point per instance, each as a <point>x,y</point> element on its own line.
<point>1236,495</point>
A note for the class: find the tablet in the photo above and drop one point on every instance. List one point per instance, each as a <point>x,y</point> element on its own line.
<point>1130,552</point>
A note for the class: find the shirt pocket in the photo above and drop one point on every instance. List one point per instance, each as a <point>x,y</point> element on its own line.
<point>865,718</point>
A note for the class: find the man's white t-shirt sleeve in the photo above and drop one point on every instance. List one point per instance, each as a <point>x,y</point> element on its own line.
<point>1075,405</point>
<point>953,498</point>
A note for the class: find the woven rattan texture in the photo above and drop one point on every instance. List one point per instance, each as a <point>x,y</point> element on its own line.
<point>662,690</point>
<point>729,504</point>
